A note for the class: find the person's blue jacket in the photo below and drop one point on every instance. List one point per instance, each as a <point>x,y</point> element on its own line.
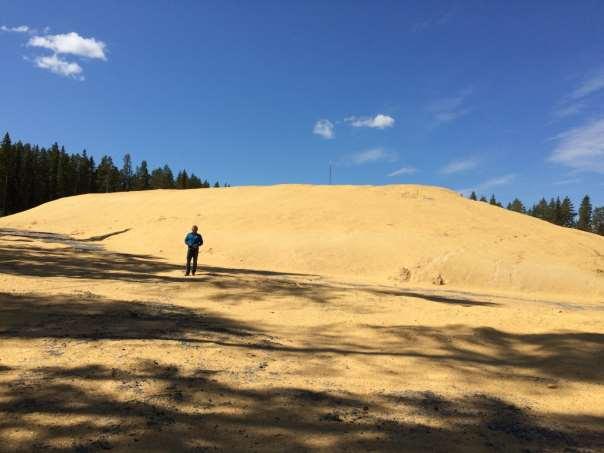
<point>193,240</point>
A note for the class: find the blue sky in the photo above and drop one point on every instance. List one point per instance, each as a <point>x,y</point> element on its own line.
<point>501,97</point>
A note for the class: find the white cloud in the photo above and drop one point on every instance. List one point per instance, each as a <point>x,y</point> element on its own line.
<point>574,103</point>
<point>458,166</point>
<point>581,148</point>
<point>565,182</point>
<point>380,121</point>
<point>449,109</point>
<point>589,85</point>
<point>19,29</point>
<point>60,45</point>
<point>498,181</point>
<point>563,110</point>
<point>370,156</point>
<point>490,183</point>
<point>70,43</point>
<point>59,66</point>
<point>65,44</point>
<point>324,128</point>
<point>403,171</point>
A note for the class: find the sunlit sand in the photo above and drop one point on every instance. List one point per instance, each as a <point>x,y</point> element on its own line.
<point>334,318</point>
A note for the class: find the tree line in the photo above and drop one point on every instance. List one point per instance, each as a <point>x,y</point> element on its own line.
<point>558,211</point>
<point>31,175</point>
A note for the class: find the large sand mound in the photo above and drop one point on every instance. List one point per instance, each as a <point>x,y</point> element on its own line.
<point>103,345</point>
<point>403,235</point>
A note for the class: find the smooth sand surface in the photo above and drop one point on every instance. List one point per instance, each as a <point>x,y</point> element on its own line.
<point>397,318</point>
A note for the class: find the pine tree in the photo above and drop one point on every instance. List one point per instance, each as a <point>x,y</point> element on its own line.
<point>53,169</point>
<point>43,174</point>
<point>142,177</point>
<point>517,206</point>
<point>126,173</point>
<point>71,171</point>
<point>597,220</point>
<point>216,184</point>
<point>15,180</point>
<point>30,175</point>
<point>28,178</point>
<point>550,212</point>
<point>182,180</point>
<point>195,182</point>
<point>567,213</point>
<point>62,175</point>
<point>484,199</point>
<point>6,149</point>
<point>107,176</point>
<point>82,176</point>
<point>473,196</point>
<point>168,177</point>
<point>556,214</point>
<point>585,212</point>
<point>493,201</point>
<point>92,175</point>
<point>156,179</point>
<point>74,173</point>
<point>162,178</point>
<point>540,210</point>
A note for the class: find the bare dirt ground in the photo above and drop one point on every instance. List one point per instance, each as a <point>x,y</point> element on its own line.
<point>102,350</point>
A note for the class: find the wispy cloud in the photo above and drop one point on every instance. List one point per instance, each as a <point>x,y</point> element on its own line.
<point>324,128</point>
<point>576,101</point>
<point>70,43</point>
<point>437,19</point>
<point>458,166</point>
<point>581,148</point>
<point>449,109</point>
<point>19,29</point>
<point>563,110</point>
<point>57,65</point>
<point>590,85</point>
<point>23,29</point>
<point>403,171</point>
<point>498,181</point>
<point>380,121</point>
<point>369,156</point>
<point>490,183</point>
<point>565,182</point>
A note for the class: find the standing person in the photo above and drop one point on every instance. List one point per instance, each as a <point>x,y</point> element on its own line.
<point>193,241</point>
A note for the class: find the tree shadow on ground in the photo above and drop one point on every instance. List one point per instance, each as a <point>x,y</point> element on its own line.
<point>576,356</point>
<point>92,317</point>
<point>94,407</point>
<point>153,407</point>
<point>491,352</point>
<point>80,260</point>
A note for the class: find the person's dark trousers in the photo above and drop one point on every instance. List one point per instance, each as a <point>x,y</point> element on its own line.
<point>192,255</point>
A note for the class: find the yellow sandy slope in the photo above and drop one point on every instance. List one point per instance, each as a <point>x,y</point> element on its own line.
<point>402,235</point>
<point>104,345</point>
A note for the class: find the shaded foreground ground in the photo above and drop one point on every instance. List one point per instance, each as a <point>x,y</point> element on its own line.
<point>112,351</point>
